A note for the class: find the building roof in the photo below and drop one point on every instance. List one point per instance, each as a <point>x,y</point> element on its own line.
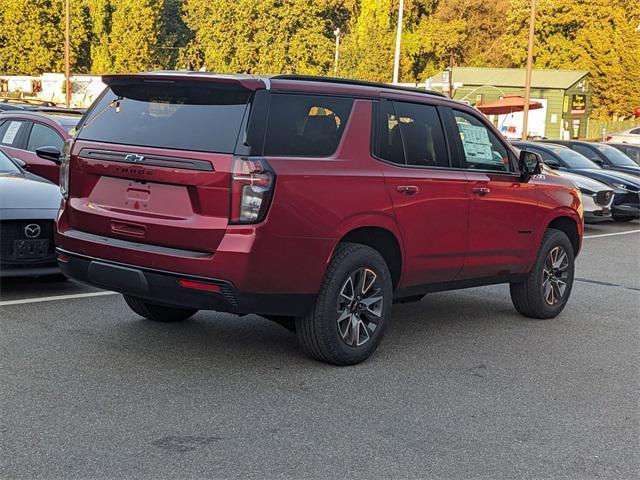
<point>513,77</point>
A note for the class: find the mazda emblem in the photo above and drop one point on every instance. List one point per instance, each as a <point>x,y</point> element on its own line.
<point>32,230</point>
<point>134,158</point>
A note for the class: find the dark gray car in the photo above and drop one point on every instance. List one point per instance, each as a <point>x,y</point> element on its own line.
<point>28,208</point>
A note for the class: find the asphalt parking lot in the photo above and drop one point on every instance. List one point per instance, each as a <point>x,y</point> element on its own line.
<point>461,387</point>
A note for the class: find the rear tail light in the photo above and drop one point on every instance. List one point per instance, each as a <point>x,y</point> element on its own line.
<point>64,168</point>
<point>608,138</point>
<point>252,185</point>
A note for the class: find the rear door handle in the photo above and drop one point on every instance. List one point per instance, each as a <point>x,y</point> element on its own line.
<point>407,189</point>
<point>482,191</point>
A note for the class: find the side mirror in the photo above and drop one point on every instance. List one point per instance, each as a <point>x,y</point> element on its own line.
<point>52,154</point>
<point>21,163</point>
<point>530,164</point>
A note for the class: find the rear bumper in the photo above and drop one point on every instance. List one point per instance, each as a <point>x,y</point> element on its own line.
<point>162,287</point>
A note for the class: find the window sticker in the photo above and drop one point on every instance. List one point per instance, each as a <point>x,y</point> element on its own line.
<point>476,143</point>
<point>11,133</point>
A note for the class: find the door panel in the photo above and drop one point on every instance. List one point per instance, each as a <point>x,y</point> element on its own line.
<point>501,223</point>
<point>430,200</point>
<point>432,210</point>
<point>503,209</point>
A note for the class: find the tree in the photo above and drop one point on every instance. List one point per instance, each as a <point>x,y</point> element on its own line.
<point>134,35</point>
<point>595,35</point>
<point>32,36</point>
<point>100,12</point>
<point>368,48</point>
<point>269,36</point>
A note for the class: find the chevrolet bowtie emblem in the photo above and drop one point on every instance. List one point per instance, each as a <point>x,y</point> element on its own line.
<point>134,158</point>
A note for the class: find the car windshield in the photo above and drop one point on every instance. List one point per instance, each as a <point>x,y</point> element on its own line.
<point>616,157</point>
<point>574,159</point>
<point>6,165</point>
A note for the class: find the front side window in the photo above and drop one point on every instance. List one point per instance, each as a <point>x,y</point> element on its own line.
<point>482,149</point>
<point>305,125</point>
<point>9,132</point>
<point>43,136</point>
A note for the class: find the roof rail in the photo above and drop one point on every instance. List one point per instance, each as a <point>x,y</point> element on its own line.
<point>362,83</point>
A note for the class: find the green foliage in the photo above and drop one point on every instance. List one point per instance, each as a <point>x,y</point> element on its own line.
<point>367,51</point>
<point>595,35</point>
<point>32,36</point>
<point>257,36</point>
<point>280,36</point>
<point>134,36</point>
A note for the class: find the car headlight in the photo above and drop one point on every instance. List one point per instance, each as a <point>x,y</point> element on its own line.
<point>586,191</point>
<point>621,186</point>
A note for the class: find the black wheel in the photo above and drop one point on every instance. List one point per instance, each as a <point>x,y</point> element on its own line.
<point>157,312</point>
<point>353,307</point>
<point>623,218</point>
<point>546,289</point>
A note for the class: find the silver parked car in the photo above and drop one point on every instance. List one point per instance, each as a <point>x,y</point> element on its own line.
<point>597,197</point>
<point>626,136</point>
<point>28,208</point>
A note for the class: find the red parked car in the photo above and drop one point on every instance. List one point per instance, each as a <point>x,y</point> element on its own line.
<point>22,132</point>
<point>314,202</point>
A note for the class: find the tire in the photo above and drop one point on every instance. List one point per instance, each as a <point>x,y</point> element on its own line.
<point>157,312</point>
<point>531,297</point>
<point>327,332</point>
<point>623,218</point>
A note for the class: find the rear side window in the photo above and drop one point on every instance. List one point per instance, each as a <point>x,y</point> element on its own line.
<point>305,125</point>
<point>10,132</point>
<point>183,116</point>
<point>43,136</point>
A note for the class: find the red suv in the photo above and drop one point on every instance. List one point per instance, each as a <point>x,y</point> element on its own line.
<point>32,138</point>
<point>315,202</point>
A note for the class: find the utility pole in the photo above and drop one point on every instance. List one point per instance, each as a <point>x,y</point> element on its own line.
<point>527,82</point>
<point>67,60</point>
<point>451,75</point>
<point>336,32</point>
<point>396,60</point>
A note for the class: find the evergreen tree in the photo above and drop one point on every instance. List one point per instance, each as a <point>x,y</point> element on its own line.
<point>258,36</point>
<point>595,35</point>
<point>134,35</point>
<point>32,36</point>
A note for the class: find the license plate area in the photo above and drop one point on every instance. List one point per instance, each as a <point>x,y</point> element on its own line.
<point>30,249</point>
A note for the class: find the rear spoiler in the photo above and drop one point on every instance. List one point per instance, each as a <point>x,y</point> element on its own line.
<point>250,82</point>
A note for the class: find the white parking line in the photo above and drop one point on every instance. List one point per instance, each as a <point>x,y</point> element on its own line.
<point>611,234</point>
<point>100,294</point>
<point>56,297</point>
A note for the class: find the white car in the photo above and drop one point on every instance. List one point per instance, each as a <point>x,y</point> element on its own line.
<point>597,197</point>
<point>627,136</point>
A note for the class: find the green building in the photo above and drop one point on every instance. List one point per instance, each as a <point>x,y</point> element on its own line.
<point>565,95</point>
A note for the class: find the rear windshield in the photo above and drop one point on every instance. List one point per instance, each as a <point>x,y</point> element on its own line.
<point>187,116</point>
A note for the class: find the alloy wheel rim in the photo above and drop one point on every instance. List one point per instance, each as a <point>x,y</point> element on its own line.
<point>555,274</point>
<point>360,304</point>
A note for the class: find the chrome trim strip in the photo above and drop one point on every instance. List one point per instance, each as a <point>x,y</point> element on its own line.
<point>145,247</point>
